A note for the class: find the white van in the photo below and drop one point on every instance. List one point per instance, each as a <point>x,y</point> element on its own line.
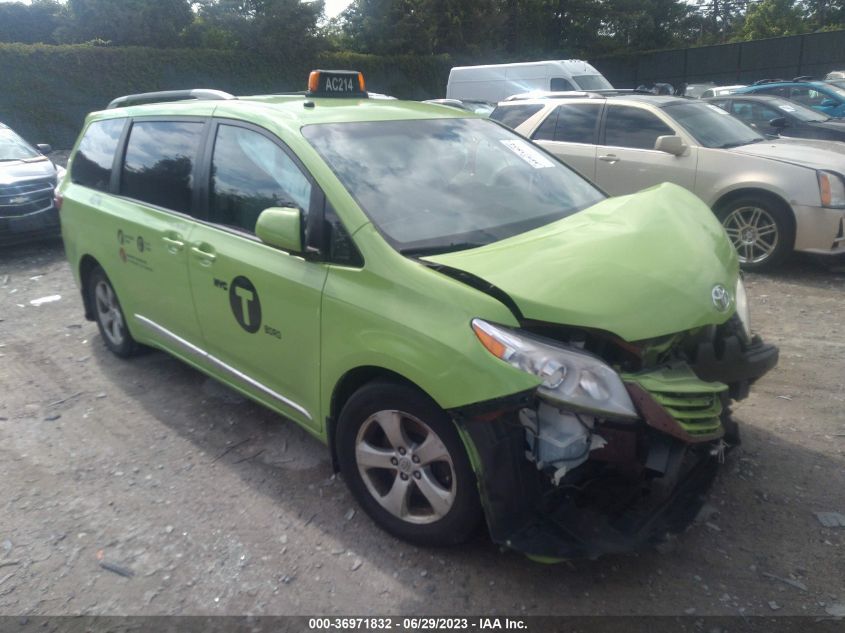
<point>495,82</point>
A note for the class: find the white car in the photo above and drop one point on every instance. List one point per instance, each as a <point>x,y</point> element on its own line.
<point>772,196</point>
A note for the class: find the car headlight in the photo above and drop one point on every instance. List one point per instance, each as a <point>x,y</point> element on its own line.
<point>831,190</point>
<point>742,308</point>
<point>571,378</point>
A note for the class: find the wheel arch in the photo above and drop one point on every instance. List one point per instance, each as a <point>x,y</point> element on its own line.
<point>735,194</point>
<point>348,384</point>
<point>86,266</point>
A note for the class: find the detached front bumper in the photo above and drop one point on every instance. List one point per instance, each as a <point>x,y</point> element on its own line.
<point>525,513</point>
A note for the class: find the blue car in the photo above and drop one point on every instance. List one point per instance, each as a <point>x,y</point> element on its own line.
<point>819,95</point>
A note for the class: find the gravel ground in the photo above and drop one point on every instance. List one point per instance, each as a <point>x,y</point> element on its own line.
<point>143,487</point>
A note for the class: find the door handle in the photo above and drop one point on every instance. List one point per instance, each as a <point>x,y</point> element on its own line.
<point>609,158</point>
<point>173,245</point>
<point>204,253</point>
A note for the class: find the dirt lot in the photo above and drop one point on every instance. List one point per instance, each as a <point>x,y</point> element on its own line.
<point>220,507</point>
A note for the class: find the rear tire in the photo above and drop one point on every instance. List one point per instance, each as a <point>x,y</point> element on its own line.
<point>761,230</point>
<point>109,315</point>
<point>405,464</point>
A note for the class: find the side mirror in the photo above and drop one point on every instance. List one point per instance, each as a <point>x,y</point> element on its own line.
<point>281,227</point>
<point>779,122</point>
<point>670,144</point>
<point>44,148</point>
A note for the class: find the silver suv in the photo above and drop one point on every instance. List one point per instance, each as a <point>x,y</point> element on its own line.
<point>772,196</point>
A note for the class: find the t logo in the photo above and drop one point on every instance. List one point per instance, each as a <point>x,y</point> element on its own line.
<point>243,299</point>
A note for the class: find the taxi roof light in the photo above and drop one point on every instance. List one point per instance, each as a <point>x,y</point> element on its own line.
<point>336,83</point>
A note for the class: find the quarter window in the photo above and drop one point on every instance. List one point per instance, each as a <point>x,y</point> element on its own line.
<point>633,127</point>
<point>514,116</point>
<point>250,173</point>
<point>92,165</point>
<point>159,163</point>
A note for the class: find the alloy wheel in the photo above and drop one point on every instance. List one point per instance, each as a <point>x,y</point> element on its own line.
<point>753,232</point>
<point>108,312</point>
<point>406,467</point>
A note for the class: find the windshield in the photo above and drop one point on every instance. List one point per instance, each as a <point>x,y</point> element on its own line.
<point>799,111</point>
<point>711,126</point>
<point>592,82</point>
<point>445,184</point>
<point>13,147</point>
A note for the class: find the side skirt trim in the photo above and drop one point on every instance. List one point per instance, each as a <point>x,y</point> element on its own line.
<point>239,375</point>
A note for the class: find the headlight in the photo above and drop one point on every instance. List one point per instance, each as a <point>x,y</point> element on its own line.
<point>742,308</point>
<point>572,379</point>
<point>831,190</point>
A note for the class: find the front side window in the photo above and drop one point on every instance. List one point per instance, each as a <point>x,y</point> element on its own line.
<point>250,173</point>
<point>627,126</point>
<point>514,116</point>
<point>559,84</point>
<point>159,163</point>
<point>92,164</point>
<point>807,96</point>
<point>441,185</point>
<point>592,82</point>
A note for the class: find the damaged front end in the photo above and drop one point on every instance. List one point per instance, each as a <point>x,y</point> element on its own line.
<point>618,445</point>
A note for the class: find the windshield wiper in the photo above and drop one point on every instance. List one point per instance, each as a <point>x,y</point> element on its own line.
<point>739,144</point>
<point>441,248</point>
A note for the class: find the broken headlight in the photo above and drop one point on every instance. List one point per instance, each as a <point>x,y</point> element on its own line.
<point>742,308</point>
<point>571,378</point>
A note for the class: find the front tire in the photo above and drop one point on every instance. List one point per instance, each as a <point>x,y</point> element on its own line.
<point>109,315</point>
<point>761,230</point>
<point>405,464</point>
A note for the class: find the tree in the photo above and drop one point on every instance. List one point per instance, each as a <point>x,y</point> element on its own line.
<point>773,18</point>
<point>128,22</point>
<point>30,24</point>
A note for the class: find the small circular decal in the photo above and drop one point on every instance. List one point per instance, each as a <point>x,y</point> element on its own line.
<point>243,298</point>
<point>140,243</point>
<point>120,236</point>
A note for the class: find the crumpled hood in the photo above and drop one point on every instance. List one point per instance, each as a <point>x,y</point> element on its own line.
<point>805,152</point>
<point>14,171</point>
<point>639,266</point>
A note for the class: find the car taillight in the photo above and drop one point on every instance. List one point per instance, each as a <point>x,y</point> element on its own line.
<point>57,200</point>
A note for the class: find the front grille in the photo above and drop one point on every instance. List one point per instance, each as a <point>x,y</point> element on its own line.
<point>698,413</point>
<point>26,198</point>
<point>694,403</point>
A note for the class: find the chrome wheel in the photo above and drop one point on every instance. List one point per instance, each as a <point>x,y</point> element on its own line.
<point>108,313</point>
<point>753,232</point>
<point>405,466</point>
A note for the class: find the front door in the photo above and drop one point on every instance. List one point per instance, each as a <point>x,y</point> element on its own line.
<point>258,307</point>
<point>627,161</point>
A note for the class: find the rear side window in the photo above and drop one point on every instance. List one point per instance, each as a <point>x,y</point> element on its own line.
<point>570,123</point>
<point>633,127</point>
<point>250,173</point>
<point>92,165</point>
<point>516,115</point>
<point>159,163</point>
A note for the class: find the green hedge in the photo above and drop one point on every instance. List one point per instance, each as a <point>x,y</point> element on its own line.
<point>48,90</point>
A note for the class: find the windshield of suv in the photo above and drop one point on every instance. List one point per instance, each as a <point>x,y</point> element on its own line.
<point>592,82</point>
<point>711,126</point>
<point>13,147</point>
<point>441,185</point>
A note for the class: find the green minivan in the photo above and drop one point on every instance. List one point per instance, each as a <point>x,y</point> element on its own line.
<point>474,330</point>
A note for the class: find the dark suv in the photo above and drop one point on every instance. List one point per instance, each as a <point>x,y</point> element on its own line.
<point>27,182</point>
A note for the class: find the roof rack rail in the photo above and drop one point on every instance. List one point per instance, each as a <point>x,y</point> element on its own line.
<point>804,78</point>
<point>168,95</point>
<point>760,82</point>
